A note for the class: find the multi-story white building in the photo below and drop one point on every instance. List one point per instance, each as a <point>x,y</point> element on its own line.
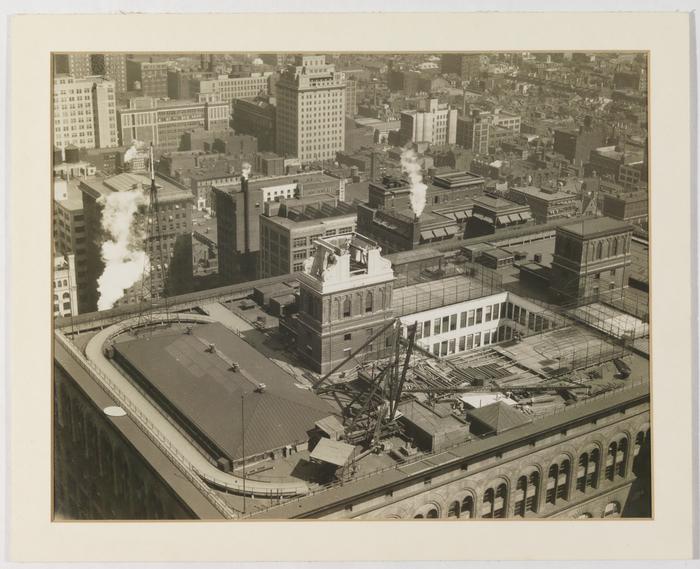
<point>85,113</point>
<point>229,88</point>
<point>311,110</point>
<point>437,125</point>
<point>65,298</point>
<point>478,322</point>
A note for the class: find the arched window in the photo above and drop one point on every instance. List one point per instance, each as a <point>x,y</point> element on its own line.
<point>526,493</point>
<point>563,481</point>
<point>66,296</point>
<point>369,304</point>
<point>453,510</point>
<point>621,460</point>
<point>614,246</point>
<point>639,444</point>
<point>552,478</point>
<point>584,516</point>
<point>432,513</point>
<point>593,469</point>
<point>582,472</point>
<point>489,498</point>
<point>418,517</point>
<point>610,461</point>
<point>467,507</point>
<point>501,502</point>
<point>347,307</point>
<point>599,250</point>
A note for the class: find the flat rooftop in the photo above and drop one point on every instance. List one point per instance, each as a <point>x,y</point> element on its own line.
<point>541,194</point>
<point>593,227</point>
<point>202,387</point>
<point>98,186</point>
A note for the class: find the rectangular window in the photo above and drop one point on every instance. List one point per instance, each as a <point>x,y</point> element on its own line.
<point>471,318</point>
<point>487,338</point>
<point>477,339</point>
<point>509,314</point>
<point>523,316</point>
<point>494,313</point>
<point>426,328</point>
<point>531,321</point>
<point>462,343</point>
<point>452,346</point>
<point>494,336</point>
<point>479,312</point>
<point>347,337</point>
<point>470,341</point>
<point>463,320</point>
<point>516,313</point>
<point>487,314</point>
<point>436,349</point>
<point>436,326</point>
<point>445,324</point>
<point>453,322</point>
<point>443,348</point>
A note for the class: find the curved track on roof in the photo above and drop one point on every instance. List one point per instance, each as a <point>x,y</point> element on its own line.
<point>164,426</point>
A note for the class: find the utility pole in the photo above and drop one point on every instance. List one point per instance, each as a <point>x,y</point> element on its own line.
<point>243,445</point>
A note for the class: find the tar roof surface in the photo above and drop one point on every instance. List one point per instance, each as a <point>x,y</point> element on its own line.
<point>202,386</point>
<point>589,227</point>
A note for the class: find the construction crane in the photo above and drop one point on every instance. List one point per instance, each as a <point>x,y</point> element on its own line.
<point>154,275</point>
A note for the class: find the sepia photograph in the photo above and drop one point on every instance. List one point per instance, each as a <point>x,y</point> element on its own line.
<point>351,286</point>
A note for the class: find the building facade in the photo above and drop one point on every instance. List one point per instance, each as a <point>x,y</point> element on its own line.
<point>546,204</point>
<point>228,89</point>
<point>311,110</point>
<point>590,257</point>
<point>288,232</point>
<point>345,299</point>
<point>437,125</point>
<point>165,123</point>
<point>85,113</point>
<point>257,117</point>
<point>466,65</point>
<point>170,254</point>
<point>65,288</point>
<point>238,207</point>
<point>150,78</point>
<point>111,66</point>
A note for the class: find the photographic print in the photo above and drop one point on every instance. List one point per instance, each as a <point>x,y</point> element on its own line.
<point>351,286</point>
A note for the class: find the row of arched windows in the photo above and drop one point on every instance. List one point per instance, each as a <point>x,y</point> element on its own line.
<point>561,480</point>
<point>611,247</point>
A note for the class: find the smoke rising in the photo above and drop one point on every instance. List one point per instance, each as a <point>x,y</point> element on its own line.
<point>245,170</point>
<point>133,151</point>
<point>410,166</point>
<point>123,252</point>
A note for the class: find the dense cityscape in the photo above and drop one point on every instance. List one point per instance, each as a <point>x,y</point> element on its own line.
<point>351,286</point>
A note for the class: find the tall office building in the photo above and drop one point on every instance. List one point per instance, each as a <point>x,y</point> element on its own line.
<point>149,77</point>
<point>311,109</point>
<point>76,65</point>
<point>85,112</point>
<point>437,125</point>
<point>111,66</point>
<point>466,65</point>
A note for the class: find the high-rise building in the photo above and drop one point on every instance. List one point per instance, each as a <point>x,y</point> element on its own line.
<point>311,110</point>
<point>171,251</point>
<point>591,257</point>
<point>466,65</point>
<point>344,300</point>
<point>437,125</point>
<point>148,77</point>
<point>351,97</point>
<point>76,65</point>
<point>84,112</point>
<point>164,123</point>
<point>111,66</point>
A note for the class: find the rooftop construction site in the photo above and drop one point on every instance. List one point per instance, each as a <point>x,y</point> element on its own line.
<point>291,386</point>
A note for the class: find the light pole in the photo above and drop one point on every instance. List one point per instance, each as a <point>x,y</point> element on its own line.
<point>243,445</point>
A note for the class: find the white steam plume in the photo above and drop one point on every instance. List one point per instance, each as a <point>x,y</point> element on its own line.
<point>122,253</point>
<point>133,151</point>
<point>245,170</point>
<point>410,166</point>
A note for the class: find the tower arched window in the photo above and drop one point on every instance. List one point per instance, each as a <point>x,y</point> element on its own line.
<point>599,250</point>
<point>369,302</point>
<point>467,510</point>
<point>347,307</point>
